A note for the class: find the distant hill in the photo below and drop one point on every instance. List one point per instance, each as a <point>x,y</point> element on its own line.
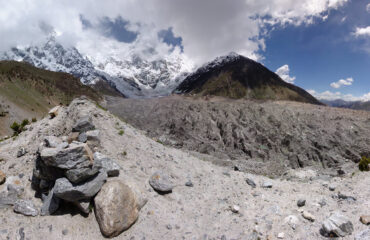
<point>29,92</point>
<point>235,76</point>
<point>357,105</point>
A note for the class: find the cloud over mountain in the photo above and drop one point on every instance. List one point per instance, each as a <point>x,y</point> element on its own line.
<point>283,72</point>
<point>342,82</point>
<point>207,28</point>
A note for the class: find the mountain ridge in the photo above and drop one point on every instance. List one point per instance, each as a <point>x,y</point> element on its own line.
<point>236,76</point>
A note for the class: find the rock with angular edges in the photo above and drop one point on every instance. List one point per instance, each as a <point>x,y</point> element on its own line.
<point>116,208</point>
<point>50,204</point>
<point>52,141</point>
<point>26,208</point>
<point>67,158</point>
<point>110,166</point>
<point>64,189</point>
<point>337,225</point>
<point>84,124</point>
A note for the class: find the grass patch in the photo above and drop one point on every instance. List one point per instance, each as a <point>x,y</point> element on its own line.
<point>124,153</point>
<point>121,132</point>
<point>363,165</point>
<point>101,107</point>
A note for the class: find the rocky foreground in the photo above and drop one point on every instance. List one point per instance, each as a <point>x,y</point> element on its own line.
<point>85,174</point>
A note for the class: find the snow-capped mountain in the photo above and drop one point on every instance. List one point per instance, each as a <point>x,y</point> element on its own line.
<point>132,76</point>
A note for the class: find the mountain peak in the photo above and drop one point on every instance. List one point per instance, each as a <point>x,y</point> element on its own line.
<point>235,76</point>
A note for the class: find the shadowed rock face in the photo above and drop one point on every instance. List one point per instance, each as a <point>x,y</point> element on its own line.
<point>236,77</point>
<point>261,137</point>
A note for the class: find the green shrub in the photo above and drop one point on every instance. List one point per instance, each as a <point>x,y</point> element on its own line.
<point>18,128</point>
<point>364,164</point>
<point>25,122</point>
<point>34,120</point>
<point>124,153</point>
<point>121,132</point>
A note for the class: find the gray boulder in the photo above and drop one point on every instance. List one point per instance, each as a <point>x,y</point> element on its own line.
<point>82,137</point>
<point>25,207</point>
<point>301,202</point>
<point>81,174</point>
<point>251,183</point>
<point>93,135</point>
<point>67,158</point>
<point>161,182</point>
<point>52,141</point>
<point>116,208</point>
<point>267,184</point>
<point>110,166</point>
<point>337,225</point>
<point>64,189</point>
<point>84,124</point>
<point>51,204</point>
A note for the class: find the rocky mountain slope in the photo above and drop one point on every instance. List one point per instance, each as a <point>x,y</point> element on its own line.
<point>236,77</point>
<point>260,137</point>
<point>358,105</point>
<point>132,76</point>
<point>29,92</point>
<point>206,201</point>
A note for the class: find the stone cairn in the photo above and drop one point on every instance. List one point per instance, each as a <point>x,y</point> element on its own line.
<point>67,170</point>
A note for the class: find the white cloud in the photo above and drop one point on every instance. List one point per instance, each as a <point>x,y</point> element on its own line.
<point>342,82</point>
<point>359,32</point>
<point>209,28</point>
<point>368,8</point>
<point>283,72</point>
<point>328,95</point>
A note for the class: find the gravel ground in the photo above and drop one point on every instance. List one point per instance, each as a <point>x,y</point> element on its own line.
<point>199,212</point>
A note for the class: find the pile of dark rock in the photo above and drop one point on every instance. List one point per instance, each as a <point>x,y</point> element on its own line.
<point>67,170</point>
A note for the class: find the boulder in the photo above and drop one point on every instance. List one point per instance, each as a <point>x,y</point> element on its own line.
<point>365,219</point>
<point>82,137</point>
<point>160,182</point>
<point>82,173</point>
<point>308,216</point>
<point>51,204</point>
<point>26,208</point>
<point>84,124</point>
<point>54,112</point>
<point>116,208</point>
<point>2,177</point>
<point>301,202</point>
<point>110,166</point>
<point>251,183</point>
<point>93,135</point>
<point>52,141</point>
<point>267,184</point>
<point>67,158</point>
<point>64,189</point>
<point>337,225</point>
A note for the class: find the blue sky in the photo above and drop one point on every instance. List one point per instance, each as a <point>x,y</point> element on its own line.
<point>325,51</point>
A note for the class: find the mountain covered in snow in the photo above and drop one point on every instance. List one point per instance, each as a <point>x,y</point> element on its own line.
<point>133,76</point>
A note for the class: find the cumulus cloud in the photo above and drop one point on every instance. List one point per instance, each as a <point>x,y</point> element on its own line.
<point>283,72</point>
<point>362,32</point>
<point>342,82</point>
<point>328,95</point>
<point>208,28</point>
<point>368,8</point>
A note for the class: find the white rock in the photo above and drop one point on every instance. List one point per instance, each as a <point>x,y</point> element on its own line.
<point>308,216</point>
<point>281,235</point>
<point>338,225</point>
